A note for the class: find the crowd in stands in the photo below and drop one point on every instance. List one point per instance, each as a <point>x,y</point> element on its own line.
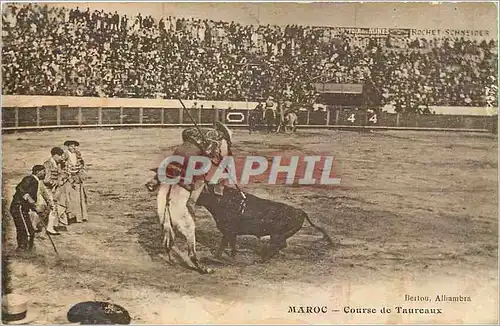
<point>80,52</point>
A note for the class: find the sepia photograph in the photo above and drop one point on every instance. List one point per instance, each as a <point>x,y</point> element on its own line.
<point>249,163</point>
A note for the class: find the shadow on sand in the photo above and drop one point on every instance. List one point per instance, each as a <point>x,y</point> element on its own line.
<point>208,238</point>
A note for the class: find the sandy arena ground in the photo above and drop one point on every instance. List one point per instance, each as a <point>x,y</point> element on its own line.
<point>415,213</point>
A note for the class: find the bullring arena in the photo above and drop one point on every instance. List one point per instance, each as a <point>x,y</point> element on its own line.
<point>414,220</point>
<point>415,211</point>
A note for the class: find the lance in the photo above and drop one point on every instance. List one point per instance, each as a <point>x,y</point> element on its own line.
<point>206,141</point>
<point>48,235</point>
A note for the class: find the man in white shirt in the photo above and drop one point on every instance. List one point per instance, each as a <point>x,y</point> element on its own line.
<point>54,179</point>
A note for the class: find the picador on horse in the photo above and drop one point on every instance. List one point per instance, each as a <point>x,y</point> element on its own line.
<point>176,202</point>
<point>213,143</point>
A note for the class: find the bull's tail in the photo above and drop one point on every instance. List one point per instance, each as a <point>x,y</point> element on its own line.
<point>326,236</point>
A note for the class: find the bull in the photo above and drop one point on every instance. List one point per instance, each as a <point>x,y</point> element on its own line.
<point>256,216</point>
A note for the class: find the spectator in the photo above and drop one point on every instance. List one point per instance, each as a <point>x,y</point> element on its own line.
<point>103,54</point>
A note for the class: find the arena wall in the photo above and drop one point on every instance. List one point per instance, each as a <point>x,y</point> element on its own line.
<point>75,101</point>
<point>52,112</point>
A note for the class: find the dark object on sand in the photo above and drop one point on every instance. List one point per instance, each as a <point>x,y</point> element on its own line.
<point>98,312</point>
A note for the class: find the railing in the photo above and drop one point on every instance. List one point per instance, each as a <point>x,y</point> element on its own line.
<point>19,118</point>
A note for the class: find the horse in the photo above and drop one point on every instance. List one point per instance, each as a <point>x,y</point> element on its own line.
<point>175,217</point>
<point>173,211</point>
<point>291,121</point>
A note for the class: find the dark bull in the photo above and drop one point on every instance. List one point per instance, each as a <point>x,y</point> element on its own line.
<point>253,216</point>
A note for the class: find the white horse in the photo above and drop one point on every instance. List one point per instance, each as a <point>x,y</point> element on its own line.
<point>291,121</point>
<point>174,214</point>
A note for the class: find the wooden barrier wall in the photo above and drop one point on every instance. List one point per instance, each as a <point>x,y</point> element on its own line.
<point>57,116</point>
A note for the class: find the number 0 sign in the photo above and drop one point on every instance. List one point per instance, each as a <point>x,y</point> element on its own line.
<point>235,117</point>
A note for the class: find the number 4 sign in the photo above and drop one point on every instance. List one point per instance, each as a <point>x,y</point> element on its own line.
<point>373,118</point>
<point>352,118</point>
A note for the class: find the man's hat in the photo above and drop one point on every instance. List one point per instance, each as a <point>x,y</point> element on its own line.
<point>15,310</point>
<point>37,168</point>
<point>71,142</point>
<point>56,151</point>
<point>98,312</point>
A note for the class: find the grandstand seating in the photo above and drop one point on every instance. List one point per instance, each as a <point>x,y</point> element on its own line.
<point>77,52</point>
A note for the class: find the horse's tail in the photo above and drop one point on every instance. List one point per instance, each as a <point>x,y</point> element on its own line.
<point>165,217</point>
<point>163,199</point>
